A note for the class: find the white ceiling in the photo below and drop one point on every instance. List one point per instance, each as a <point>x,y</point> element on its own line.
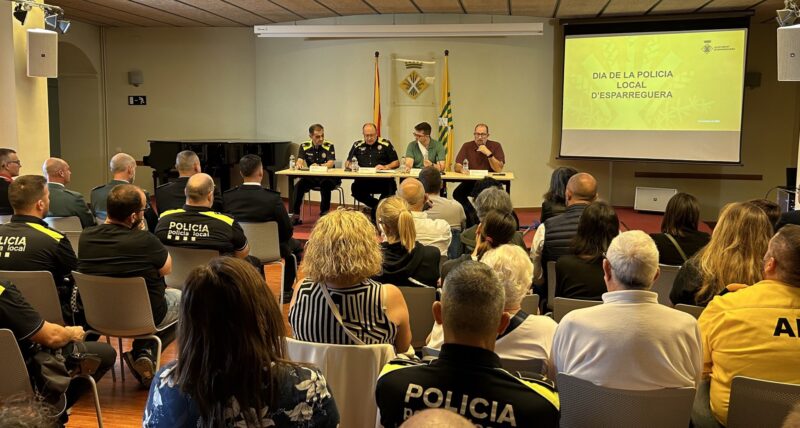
<point>233,13</point>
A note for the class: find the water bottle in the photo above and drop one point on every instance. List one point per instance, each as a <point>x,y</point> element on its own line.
<point>402,168</point>
<point>354,164</point>
<point>465,167</point>
<point>292,163</point>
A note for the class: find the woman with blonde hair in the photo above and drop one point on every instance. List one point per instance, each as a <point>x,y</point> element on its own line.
<point>406,262</point>
<point>732,256</point>
<point>528,336</point>
<point>337,302</point>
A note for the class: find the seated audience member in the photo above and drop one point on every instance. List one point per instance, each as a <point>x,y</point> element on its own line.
<point>467,371</point>
<point>218,374</point>
<point>480,186</point>
<point>9,168</point>
<point>771,209</point>
<point>579,275</point>
<point>337,302</point>
<point>65,202</point>
<point>496,229</point>
<point>197,226</point>
<point>30,244</point>
<point>170,196</point>
<point>555,199</point>
<point>32,332</point>
<point>753,332</point>
<point>250,202</point>
<point>528,336</point>
<point>733,255</point>
<point>491,198</point>
<point>440,207</point>
<point>631,341</point>
<point>434,232</point>
<point>554,237</point>
<point>679,238</point>
<point>123,171</point>
<point>437,418</point>
<point>406,262</point>
<point>119,248</point>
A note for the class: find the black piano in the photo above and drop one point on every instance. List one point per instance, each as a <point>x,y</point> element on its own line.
<point>217,157</point>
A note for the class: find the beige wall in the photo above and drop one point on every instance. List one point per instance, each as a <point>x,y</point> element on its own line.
<point>226,83</point>
<point>24,124</point>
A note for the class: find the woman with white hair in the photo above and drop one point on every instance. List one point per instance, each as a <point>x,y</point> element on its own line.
<point>528,336</point>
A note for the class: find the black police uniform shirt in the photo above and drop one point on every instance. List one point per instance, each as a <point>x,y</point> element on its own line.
<point>17,315</point>
<point>118,251</point>
<point>319,155</point>
<point>380,153</point>
<point>470,382</point>
<point>171,196</point>
<point>27,243</point>
<point>199,227</point>
<point>252,203</point>
<point>5,204</point>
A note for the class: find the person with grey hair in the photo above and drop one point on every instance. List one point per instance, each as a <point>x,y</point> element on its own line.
<point>170,196</point>
<point>433,232</point>
<point>123,171</point>
<point>467,377</point>
<point>490,199</point>
<point>630,341</point>
<point>528,336</point>
<point>196,225</point>
<point>65,202</point>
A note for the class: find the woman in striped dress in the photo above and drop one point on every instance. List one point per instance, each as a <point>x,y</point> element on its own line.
<point>337,302</point>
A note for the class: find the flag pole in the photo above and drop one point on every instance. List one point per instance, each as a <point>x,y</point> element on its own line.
<point>376,98</point>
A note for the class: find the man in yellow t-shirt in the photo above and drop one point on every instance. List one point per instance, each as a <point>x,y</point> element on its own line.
<point>754,331</point>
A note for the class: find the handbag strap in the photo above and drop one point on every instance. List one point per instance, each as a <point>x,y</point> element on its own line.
<point>677,247</point>
<point>338,316</point>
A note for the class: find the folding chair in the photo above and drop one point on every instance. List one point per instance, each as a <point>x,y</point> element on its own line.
<point>584,404</point>
<point>760,403</point>
<point>563,306</point>
<point>530,304</point>
<point>420,302</point>
<point>265,245</point>
<point>551,284</point>
<point>119,307</point>
<point>354,394</point>
<point>65,224</point>
<point>39,290</point>
<point>184,260</point>
<point>663,284</point>
<point>692,310</point>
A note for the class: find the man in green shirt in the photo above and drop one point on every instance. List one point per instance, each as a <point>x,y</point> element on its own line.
<point>425,151</point>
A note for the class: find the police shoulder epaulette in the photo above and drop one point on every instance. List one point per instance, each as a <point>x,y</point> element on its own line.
<point>49,232</point>
<point>384,142</point>
<point>98,187</point>
<point>358,143</point>
<point>164,185</point>
<point>306,144</point>
<point>542,386</point>
<point>327,144</point>
<point>170,212</point>
<point>219,216</point>
<point>398,363</point>
<point>231,189</point>
<point>72,192</point>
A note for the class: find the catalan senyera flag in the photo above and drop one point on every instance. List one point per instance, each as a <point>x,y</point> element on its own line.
<point>376,98</point>
<point>446,117</point>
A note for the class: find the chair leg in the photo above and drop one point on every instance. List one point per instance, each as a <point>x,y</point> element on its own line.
<point>121,363</point>
<point>96,399</point>
<point>113,372</point>
<point>158,351</point>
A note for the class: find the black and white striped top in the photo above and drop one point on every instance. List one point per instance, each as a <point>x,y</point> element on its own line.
<point>362,309</point>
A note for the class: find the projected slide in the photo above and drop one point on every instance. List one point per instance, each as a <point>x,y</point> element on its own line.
<point>665,96</point>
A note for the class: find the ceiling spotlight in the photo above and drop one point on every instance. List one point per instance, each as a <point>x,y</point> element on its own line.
<point>21,12</point>
<point>789,14</point>
<point>63,26</point>
<point>51,20</point>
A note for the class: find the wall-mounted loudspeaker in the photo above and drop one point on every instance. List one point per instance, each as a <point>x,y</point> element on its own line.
<point>135,77</point>
<point>42,53</point>
<point>789,53</point>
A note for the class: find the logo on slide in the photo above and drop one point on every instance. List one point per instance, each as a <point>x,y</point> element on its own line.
<point>707,47</point>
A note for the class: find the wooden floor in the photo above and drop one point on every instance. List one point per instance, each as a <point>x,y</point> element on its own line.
<point>122,403</point>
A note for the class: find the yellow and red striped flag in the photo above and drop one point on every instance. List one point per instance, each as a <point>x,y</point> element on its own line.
<point>446,117</point>
<point>376,98</point>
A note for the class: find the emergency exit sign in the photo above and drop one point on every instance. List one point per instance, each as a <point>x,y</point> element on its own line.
<point>137,100</point>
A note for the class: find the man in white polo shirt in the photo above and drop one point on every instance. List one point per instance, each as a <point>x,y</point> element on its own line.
<point>630,341</point>
<point>435,232</point>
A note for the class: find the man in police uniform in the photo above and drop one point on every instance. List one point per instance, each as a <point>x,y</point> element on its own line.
<point>467,377</point>
<point>197,226</point>
<point>28,244</point>
<point>253,203</point>
<point>372,152</point>
<point>170,196</point>
<point>65,202</point>
<point>9,168</point>
<point>123,171</point>
<point>315,152</point>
